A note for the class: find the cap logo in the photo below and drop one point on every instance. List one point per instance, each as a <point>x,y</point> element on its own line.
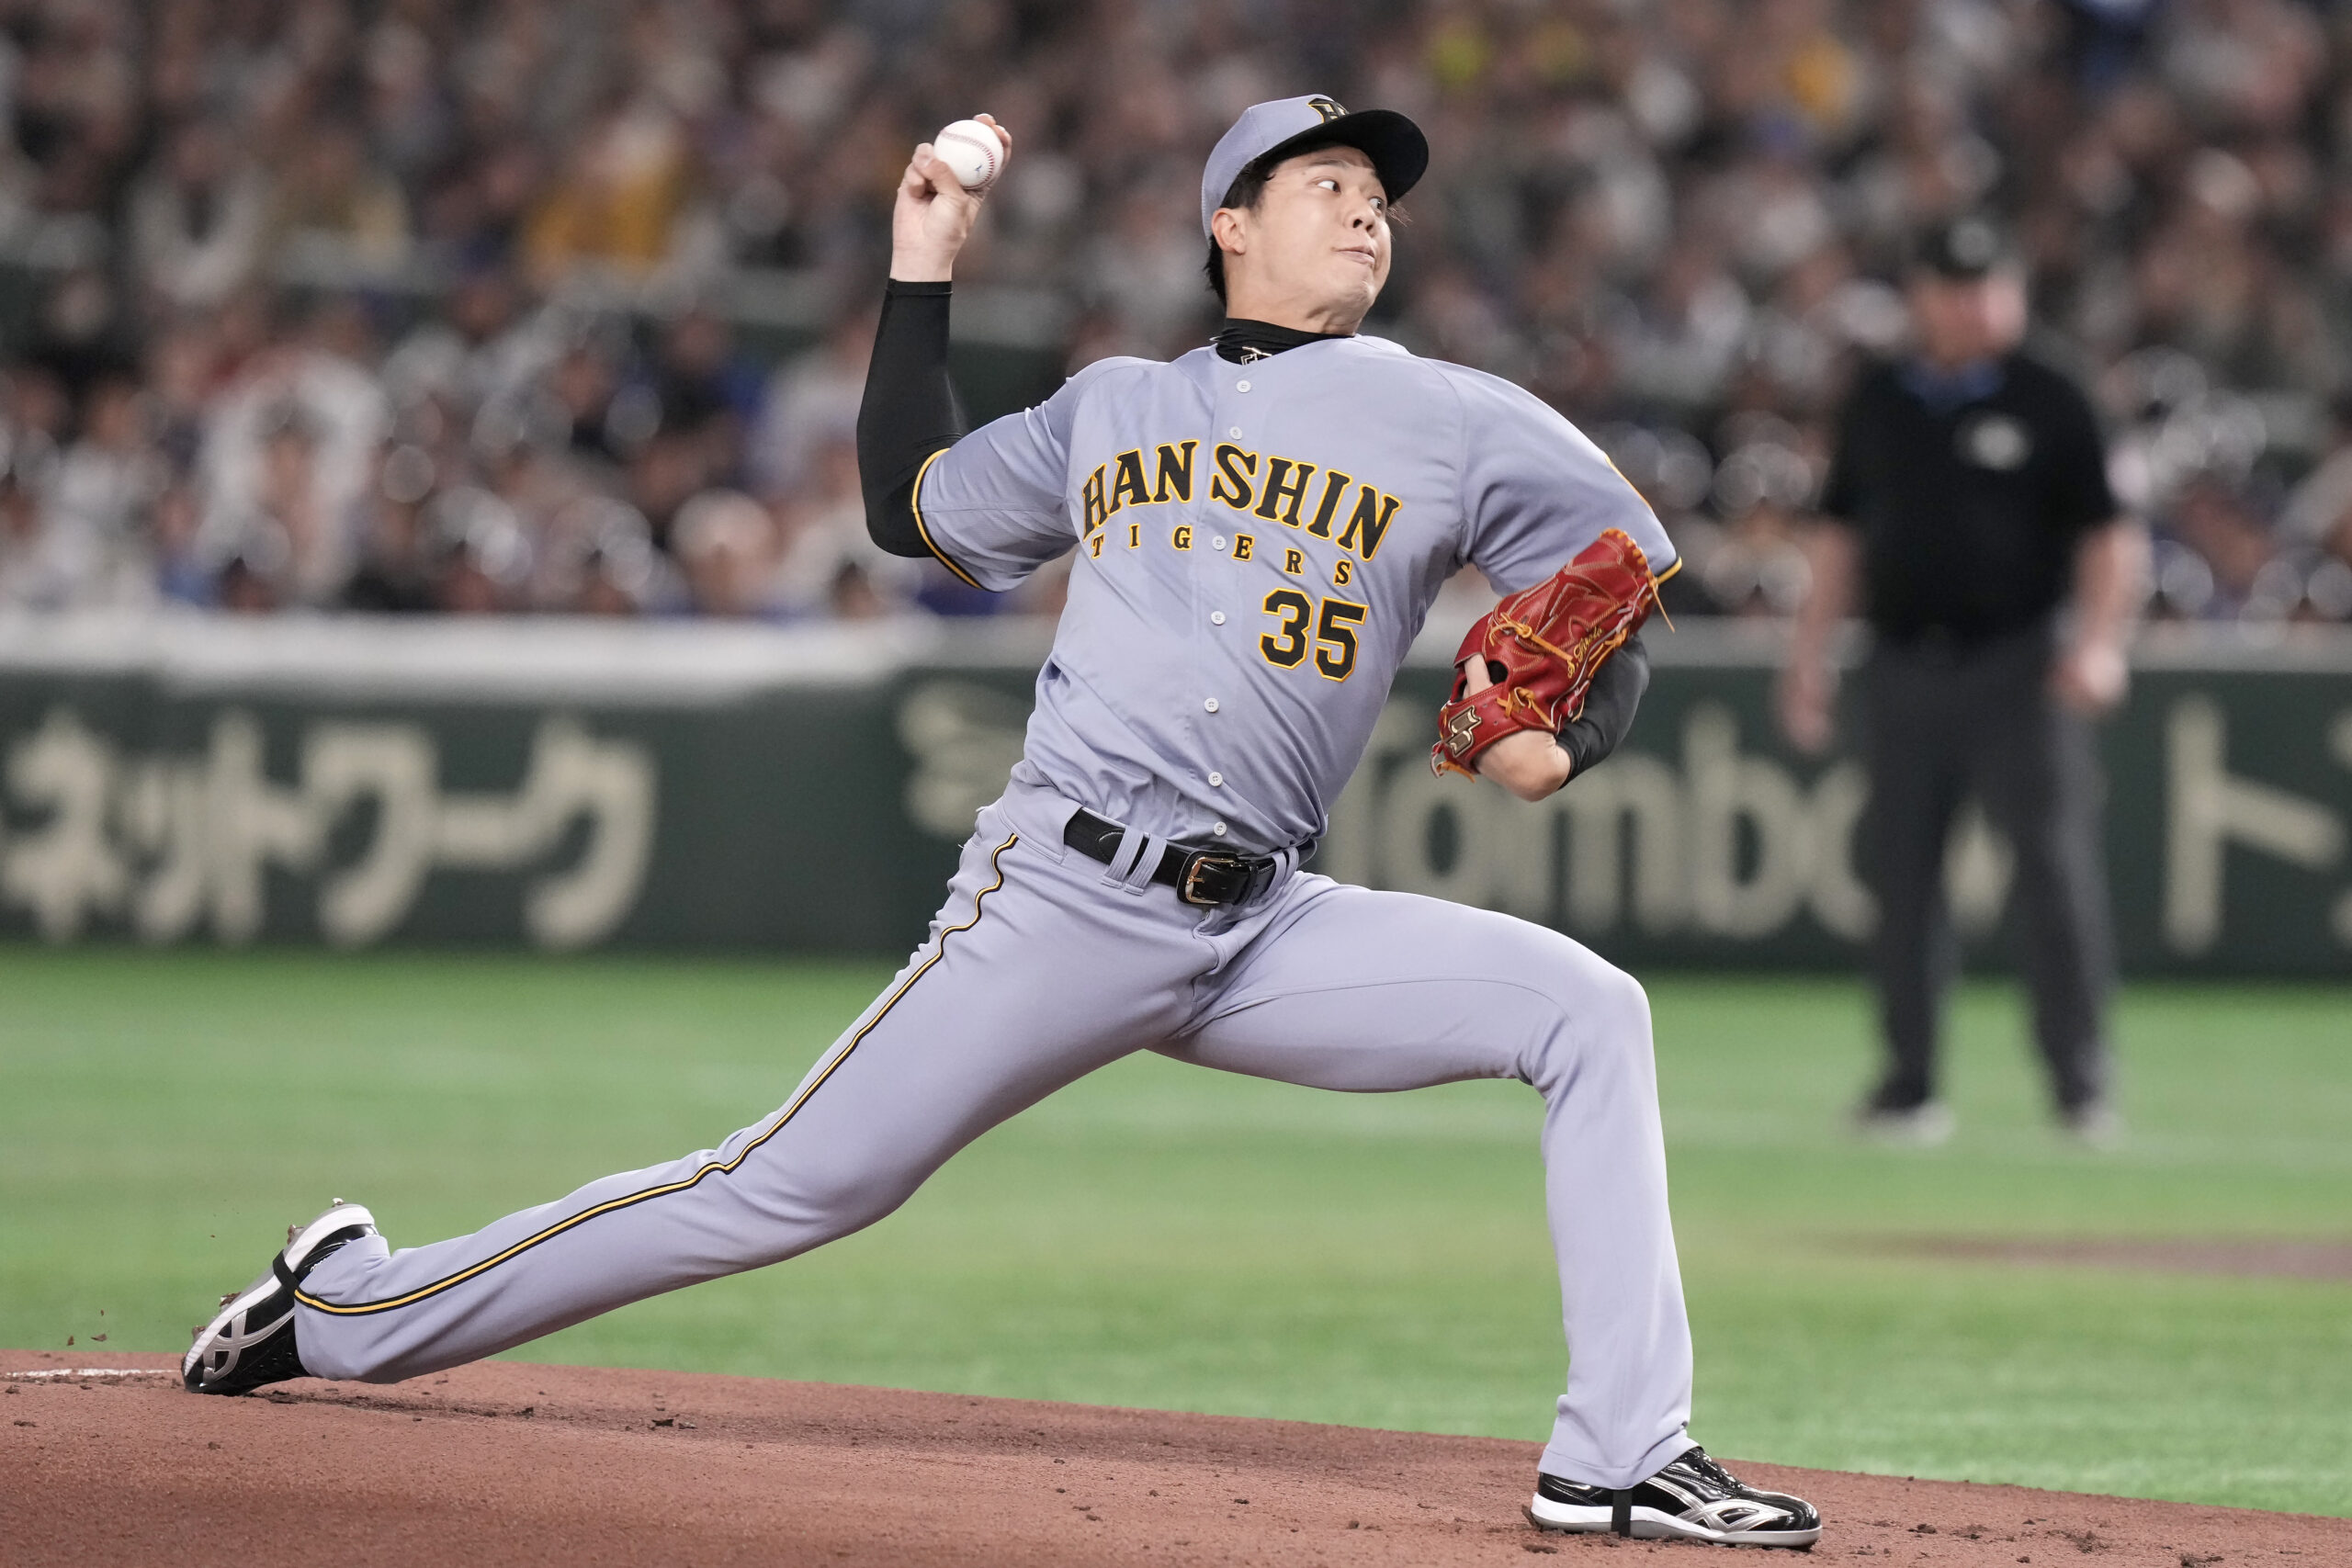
<point>1330,109</point>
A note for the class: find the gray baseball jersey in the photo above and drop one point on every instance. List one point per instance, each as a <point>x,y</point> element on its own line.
<point>1257,545</point>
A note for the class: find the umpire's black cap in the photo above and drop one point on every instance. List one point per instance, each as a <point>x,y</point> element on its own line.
<point>1964,250</point>
<point>1399,153</point>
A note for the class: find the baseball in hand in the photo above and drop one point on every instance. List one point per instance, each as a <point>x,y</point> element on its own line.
<point>972,152</point>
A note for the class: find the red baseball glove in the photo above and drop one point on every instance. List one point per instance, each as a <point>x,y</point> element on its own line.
<point>1543,646</point>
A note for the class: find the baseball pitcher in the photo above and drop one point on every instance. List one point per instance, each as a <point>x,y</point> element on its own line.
<point>1257,530</point>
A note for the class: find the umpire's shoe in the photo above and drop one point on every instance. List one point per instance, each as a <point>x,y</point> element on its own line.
<point>252,1341</point>
<point>1693,1499</point>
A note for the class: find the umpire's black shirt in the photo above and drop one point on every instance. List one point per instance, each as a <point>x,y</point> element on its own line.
<point>1969,490</point>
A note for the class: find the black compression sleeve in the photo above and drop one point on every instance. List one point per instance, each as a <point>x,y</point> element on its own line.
<point>910,410</point>
<point>1609,703</point>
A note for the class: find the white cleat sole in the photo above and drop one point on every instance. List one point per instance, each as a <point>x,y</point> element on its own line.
<point>1651,1524</point>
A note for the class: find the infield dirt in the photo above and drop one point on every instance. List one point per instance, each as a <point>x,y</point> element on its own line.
<point>105,1460</point>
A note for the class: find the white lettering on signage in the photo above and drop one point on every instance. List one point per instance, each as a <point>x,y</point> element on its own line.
<point>171,842</point>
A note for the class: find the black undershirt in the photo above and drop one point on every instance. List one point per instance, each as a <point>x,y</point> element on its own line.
<point>1242,339</point>
<point>1609,703</point>
<point>909,411</point>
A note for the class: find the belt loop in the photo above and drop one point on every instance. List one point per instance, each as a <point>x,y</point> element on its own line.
<point>1285,866</point>
<point>1132,863</point>
<point>1138,879</point>
<point>1114,870</point>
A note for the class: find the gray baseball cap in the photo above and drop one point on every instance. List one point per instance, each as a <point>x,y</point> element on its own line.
<point>1398,151</point>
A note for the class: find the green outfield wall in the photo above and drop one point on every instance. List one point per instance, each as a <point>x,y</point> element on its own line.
<point>570,786</point>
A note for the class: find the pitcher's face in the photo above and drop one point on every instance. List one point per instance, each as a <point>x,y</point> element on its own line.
<point>1318,238</point>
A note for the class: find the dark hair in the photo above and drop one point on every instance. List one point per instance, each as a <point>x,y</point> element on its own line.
<point>1247,187</point>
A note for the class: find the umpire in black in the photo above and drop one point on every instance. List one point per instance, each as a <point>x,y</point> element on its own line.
<point>1967,516</point>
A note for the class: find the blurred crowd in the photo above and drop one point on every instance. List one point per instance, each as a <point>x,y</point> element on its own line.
<point>422,304</point>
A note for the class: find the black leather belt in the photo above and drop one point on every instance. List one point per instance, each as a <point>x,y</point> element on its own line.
<point>1203,876</point>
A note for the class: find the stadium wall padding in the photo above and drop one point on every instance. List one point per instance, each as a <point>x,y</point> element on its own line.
<point>569,785</point>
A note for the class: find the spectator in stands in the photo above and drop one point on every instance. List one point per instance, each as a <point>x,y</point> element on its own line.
<point>618,198</point>
<point>584,382</point>
<point>197,217</point>
<point>669,469</point>
<point>599,559</point>
<point>704,389</point>
<point>1667,219</point>
<point>394,573</point>
<point>486,347</point>
<point>479,554</point>
<point>182,575</point>
<point>810,404</point>
<point>289,451</point>
<point>98,502</point>
<point>829,564</point>
<point>329,201</point>
<point>83,335</point>
<point>2231,538</point>
<point>726,543</point>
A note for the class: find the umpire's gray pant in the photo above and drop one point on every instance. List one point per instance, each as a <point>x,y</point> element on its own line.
<point>1043,966</point>
<point>1944,721</point>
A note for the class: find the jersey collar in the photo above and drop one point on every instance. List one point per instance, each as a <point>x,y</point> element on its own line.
<point>1244,342</point>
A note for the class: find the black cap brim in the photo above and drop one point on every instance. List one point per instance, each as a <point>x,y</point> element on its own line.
<point>1399,153</point>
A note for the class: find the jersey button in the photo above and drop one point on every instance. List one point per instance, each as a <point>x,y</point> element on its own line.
<point>1235,432</point>
<point>1218,829</point>
<point>1241,386</point>
<point>1216,541</point>
<point>1217,781</point>
<point>1210,705</point>
<point>1216,618</point>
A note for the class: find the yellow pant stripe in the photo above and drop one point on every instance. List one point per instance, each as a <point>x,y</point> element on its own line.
<point>715,1166</point>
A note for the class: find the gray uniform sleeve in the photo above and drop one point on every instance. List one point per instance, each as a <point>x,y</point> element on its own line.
<point>994,506</point>
<point>1536,490</point>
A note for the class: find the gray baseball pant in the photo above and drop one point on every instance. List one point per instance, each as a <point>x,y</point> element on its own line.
<point>1042,966</point>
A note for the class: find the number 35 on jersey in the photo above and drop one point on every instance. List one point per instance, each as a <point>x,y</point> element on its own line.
<point>1330,623</point>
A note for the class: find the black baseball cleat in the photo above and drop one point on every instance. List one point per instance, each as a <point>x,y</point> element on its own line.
<point>250,1343</point>
<point>1693,1499</point>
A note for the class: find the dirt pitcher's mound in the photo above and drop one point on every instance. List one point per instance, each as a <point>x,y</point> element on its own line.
<point>104,1458</point>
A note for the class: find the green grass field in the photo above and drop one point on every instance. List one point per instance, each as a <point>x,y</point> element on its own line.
<point>1166,1238</point>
